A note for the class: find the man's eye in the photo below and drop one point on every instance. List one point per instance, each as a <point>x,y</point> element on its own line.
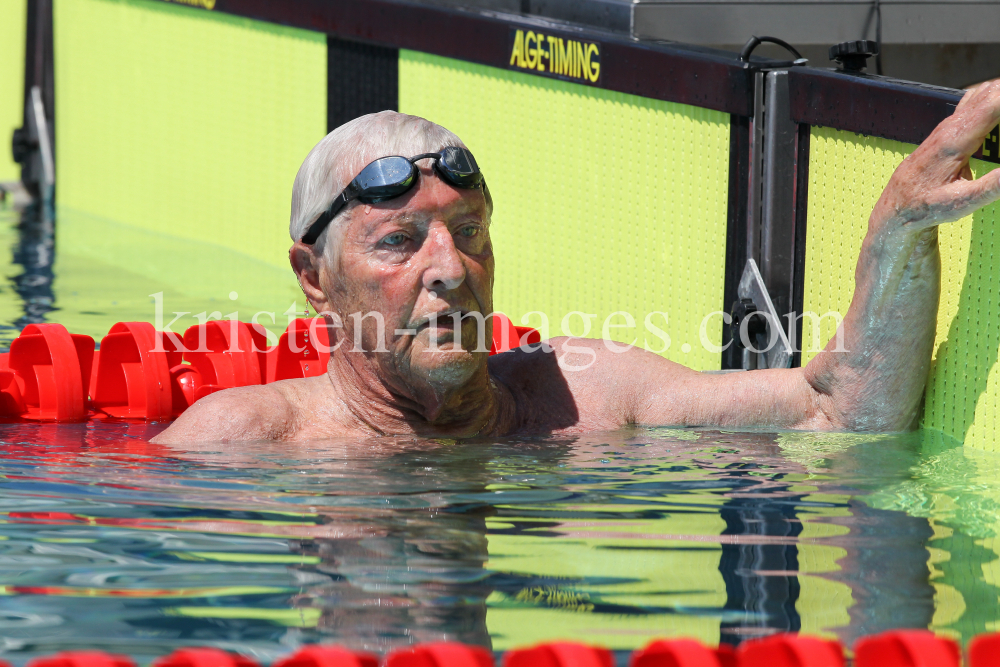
<point>399,238</point>
<point>469,232</point>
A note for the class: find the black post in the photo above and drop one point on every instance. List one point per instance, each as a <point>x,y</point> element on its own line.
<point>361,79</point>
<point>38,73</point>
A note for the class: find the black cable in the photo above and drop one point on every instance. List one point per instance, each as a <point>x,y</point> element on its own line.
<point>756,41</point>
<point>878,36</point>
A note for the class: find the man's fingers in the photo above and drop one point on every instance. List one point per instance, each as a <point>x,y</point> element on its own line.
<point>961,198</point>
<point>977,113</point>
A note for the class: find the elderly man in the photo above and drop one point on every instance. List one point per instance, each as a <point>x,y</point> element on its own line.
<point>408,239</point>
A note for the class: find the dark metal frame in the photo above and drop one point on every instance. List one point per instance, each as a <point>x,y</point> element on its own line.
<point>871,105</point>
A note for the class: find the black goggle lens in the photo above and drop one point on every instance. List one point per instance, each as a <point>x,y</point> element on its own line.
<point>384,179</point>
<point>458,166</point>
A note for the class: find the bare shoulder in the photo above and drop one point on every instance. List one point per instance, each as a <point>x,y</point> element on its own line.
<point>261,412</point>
<point>584,383</point>
<point>607,385</point>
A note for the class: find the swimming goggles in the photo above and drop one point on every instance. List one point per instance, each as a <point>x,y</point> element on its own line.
<point>393,176</point>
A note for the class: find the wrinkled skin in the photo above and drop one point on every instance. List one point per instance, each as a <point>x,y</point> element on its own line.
<point>430,252</point>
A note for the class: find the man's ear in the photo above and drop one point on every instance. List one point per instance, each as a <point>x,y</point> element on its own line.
<point>306,262</point>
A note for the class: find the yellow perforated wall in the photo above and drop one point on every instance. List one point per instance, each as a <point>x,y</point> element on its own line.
<point>847,173</point>
<point>179,134</point>
<point>604,202</point>
<point>12,19</point>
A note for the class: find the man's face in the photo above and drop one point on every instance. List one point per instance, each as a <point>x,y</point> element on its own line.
<point>423,254</point>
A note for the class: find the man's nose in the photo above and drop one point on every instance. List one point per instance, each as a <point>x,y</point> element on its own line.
<point>445,270</point>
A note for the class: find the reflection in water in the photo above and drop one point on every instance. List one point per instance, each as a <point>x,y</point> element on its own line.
<point>35,253</point>
<point>110,542</point>
<point>761,577</point>
<point>26,227</point>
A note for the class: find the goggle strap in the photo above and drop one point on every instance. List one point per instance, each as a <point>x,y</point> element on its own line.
<point>316,228</point>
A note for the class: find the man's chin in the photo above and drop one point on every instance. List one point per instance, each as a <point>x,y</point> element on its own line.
<point>448,363</point>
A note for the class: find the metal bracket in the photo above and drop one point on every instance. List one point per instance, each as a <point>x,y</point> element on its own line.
<point>39,131</point>
<point>776,352</point>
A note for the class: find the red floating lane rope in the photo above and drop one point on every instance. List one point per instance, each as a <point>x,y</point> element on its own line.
<point>440,654</point>
<point>83,659</point>
<point>559,654</point>
<point>204,657</point>
<point>907,648</point>
<point>52,364</point>
<point>140,373</point>
<point>682,653</point>
<point>327,656</point>
<point>901,648</point>
<point>790,650</point>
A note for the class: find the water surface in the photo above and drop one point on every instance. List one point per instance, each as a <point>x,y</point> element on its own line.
<point>109,542</point>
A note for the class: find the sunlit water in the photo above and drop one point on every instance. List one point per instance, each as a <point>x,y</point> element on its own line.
<point>109,542</point>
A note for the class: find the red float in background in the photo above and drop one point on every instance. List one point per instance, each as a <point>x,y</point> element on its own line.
<point>204,657</point>
<point>909,648</point>
<point>83,659</point>
<point>132,377</point>
<point>327,656</point>
<point>53,367</point>
<point>984,651</point>
<point>507,336</point>
<point>140,373</point>
<point>227,353</point>
<point>11,394</point>
<point>790,650</point>
<point>440,654</point>
<point>682,653</point>
<point>906,648</point>
<point>559,654</point>
<point>302,351</point>
<point>186,387</point>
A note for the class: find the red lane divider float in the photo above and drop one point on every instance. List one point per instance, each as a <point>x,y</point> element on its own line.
<point>51,370</point>
<point>440,654</point>
<point>83,659</point>
<point>559,654</point>
<point>140,373</point>
<point>984,651</point>
<point>202,657</point>
<point>327,656</point>
<point>683,653</point>
<point>132,377</point>
<point>907,648</point>
<point>302,351</point>
<point>788,650</point>
<point>901,648</point>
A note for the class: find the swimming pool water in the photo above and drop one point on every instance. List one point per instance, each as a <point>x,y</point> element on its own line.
<point>109,542</point>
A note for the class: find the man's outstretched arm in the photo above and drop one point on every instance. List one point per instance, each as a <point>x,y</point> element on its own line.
<point>888,331</point>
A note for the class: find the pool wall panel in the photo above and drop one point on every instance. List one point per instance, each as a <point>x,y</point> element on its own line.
<point>604,201</point>
<point>847,173</point>
<point>180,124</point>
<point>12,25</point>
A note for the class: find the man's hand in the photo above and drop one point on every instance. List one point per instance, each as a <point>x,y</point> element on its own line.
<point>878,382</point>
<point>934,184</point>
